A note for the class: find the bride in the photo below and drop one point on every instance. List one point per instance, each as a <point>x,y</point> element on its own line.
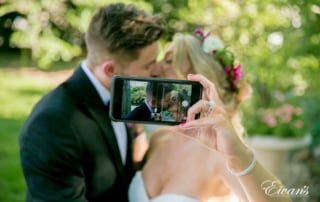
<point>203,159</point>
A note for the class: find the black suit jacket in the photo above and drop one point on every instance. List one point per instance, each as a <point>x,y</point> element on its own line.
<point>140,113</point>
<point>68,148</point>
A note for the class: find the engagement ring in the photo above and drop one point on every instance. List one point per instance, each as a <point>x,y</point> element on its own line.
<point>210,106</point>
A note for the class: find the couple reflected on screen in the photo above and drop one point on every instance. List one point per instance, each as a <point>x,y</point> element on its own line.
<point>163,102</point>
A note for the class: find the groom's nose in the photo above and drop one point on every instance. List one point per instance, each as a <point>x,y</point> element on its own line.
<point>156,70</point>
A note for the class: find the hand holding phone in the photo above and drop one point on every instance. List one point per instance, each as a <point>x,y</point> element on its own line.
<point>152,100</point>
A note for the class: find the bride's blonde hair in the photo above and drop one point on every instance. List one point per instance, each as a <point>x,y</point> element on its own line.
<point>187,45</point>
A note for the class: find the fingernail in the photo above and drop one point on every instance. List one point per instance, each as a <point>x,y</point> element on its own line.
<point>190,75</point>
<point>182,124</point>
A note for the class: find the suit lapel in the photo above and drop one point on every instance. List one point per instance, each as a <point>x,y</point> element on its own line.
<point>86,95</point>
<point>102,118</point>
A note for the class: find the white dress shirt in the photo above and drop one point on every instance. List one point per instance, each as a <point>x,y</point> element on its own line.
<point>118,127</point>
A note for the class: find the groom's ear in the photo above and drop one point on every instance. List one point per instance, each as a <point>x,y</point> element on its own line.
<point>153,102</point>
<point>109,68</point>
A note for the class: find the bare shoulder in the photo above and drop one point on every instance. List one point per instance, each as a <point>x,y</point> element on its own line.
<point>161,134</point>
<point>156,161</point>
<point>166,137</point>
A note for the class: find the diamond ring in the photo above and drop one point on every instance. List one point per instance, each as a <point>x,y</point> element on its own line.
<point>211,104</point>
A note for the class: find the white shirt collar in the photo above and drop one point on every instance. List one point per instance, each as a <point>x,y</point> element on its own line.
<point>149,107</point>
<point>102,91</point>
<point>118,127</point>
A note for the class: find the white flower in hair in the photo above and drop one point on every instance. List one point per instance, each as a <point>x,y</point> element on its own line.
<point>211,43</point>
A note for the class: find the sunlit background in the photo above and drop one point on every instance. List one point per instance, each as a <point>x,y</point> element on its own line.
<point>276,41</point>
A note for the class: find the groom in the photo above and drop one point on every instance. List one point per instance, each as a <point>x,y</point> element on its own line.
<point>158,97</point>
<point>69,148</point>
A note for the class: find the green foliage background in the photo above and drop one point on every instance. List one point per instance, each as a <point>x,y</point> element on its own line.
<point>138,95</point>
<point>52,30</point>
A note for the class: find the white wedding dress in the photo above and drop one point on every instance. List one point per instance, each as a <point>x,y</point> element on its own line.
<point>138,193</point>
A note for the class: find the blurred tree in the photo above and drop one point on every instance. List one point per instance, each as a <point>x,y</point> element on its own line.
<point>277,41</point>
<point>274,39</point>
<point>51,29</point>
<point>171,10</point>
<point>137,95</point>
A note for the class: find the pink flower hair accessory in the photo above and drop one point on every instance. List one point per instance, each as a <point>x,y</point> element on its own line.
<point>213,46</point>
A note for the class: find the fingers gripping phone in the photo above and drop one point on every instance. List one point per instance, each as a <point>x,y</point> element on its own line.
<point>152,100</point>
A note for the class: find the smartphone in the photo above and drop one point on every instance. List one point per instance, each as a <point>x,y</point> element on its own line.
<point>152,100</point>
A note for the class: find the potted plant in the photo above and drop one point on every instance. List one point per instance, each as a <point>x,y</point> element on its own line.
<point>276,129</point>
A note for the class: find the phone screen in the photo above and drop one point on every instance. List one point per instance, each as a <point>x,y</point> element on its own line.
<point>152,100</point>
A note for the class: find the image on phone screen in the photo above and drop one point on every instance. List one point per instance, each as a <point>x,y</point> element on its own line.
<point>153,100</point>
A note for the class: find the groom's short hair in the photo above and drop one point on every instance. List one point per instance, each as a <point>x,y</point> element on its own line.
<point>158,90</point>
<point>121,31</point>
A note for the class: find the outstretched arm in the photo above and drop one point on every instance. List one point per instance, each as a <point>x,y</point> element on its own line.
<point>217,133</point>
